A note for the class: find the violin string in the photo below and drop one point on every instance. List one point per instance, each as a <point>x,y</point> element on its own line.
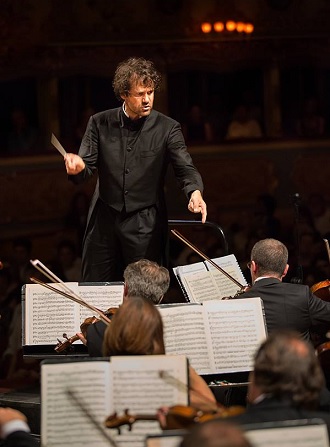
<point>189,244</point>
<point>89,415</point>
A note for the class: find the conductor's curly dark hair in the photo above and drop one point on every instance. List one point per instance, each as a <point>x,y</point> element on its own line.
<point>132,70</point>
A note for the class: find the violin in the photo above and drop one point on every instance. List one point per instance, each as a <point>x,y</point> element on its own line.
<point>322,288</point>
<point>176,417</point>
<point>66,345</point>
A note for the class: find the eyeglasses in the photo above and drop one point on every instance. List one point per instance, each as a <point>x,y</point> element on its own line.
<point>249,264</point>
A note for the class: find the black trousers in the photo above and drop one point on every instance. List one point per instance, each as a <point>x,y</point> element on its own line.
<point>115,239</point>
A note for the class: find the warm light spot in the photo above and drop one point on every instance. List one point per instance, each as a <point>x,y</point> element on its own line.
<point>231,25</point>
<point>240,27</point>
<point>206,27</point>
<point>218,27</point>
<point>249,28</point>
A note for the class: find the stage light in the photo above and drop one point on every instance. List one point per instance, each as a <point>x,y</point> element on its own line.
<point>240,27</point>
<point>230,25</point>
<point>206,27</point>
<point>218,27</point>
<point>249,28</point>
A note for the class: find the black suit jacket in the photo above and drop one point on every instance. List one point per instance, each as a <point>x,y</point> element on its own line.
<point>290,306</point>
<point>132,171</point>
<point>20,439</point>
<point>94,337</point>
<point>273,410</point>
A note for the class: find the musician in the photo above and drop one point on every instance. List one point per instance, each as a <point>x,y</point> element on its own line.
<point>137,329</point>
<point>142,278</point>
<point>286,305</point>
<point>131,146</point>
<point>14,430</point>
<point>285,383</point>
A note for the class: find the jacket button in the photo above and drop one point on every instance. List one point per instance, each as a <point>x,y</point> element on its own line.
<point>127,171</point>
<point>126,192</point>
<point>129,149</point>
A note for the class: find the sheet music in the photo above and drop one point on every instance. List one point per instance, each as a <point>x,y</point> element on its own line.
<point>235,332</point>
<point>230,265</point>
<point>299,436</point>
<point>184,333</point>
<point>201,286</point>
<point>217,336</point>
<point>100,296</point>
<point>62,423</point>
<point>202,282</point>
<point>48,315</point>
<point>134,381</point>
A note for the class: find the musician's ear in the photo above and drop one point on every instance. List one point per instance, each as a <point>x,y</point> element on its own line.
<point>125,295</point>
<point>285,270</point>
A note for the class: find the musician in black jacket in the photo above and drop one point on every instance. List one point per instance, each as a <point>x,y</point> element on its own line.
<point>131,147</point>
<point>143,278</point>
<point>286,305</point>
<point>285,383</point>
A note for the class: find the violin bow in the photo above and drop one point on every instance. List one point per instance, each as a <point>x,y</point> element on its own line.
<point>89,415</point>
<point>200,253</point>
<point>67,292</point>
<point>328,248</point>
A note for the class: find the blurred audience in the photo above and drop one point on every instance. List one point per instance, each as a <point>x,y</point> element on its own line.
<point>311,123</point>
<point>242,126</point>
<point>320,213</point>
<point>22,138</point>
<point>196,128</point>
<point>67,264</point>
<point>76,217</point>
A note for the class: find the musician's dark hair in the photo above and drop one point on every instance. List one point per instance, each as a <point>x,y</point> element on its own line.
<point>215,433</point>
<point>271,257</point>
<point>132,70</point>
<point>147,279</point>
<point>135,329</point>
<point>286,367</point>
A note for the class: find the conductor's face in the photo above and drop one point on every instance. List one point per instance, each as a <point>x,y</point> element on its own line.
<point>139,101</point>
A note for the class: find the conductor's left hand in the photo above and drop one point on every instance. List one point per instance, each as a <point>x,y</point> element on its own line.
<point>197,205</point>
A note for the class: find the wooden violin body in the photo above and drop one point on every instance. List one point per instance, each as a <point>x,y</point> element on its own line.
<point>322,290</point>
<point>66,345</point>
<point>173,418</point>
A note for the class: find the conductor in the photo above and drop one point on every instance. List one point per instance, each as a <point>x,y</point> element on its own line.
<point>131,147</point>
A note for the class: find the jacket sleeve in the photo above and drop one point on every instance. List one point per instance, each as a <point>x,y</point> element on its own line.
<point>88,151</point>
<point>185,171</point>
<point>319,311</point>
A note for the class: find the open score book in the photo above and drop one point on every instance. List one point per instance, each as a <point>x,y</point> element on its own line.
<point>134,383</point>
<point>219,336</point>
<point>47,314</point>
<point>201,281</point>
